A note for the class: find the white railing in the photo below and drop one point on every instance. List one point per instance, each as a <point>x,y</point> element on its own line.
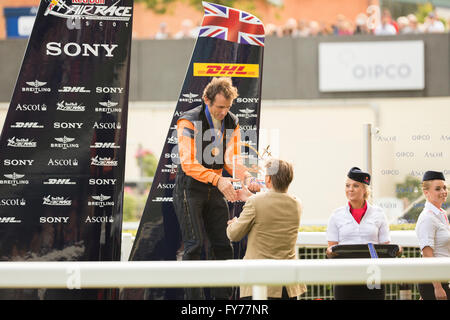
<point>256,273</point>
<point>304,239</point>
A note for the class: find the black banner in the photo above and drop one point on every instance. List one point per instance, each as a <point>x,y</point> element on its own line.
<point>63,142</point>
<point>219,51</point>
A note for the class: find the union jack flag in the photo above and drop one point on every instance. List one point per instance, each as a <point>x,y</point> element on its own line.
<point>231,25</point>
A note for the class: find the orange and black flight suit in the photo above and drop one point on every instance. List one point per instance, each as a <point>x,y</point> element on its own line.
<point>198,203</point>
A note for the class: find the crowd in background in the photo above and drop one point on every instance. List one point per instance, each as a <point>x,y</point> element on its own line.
<point>363,24</point>
<point>381,24</point>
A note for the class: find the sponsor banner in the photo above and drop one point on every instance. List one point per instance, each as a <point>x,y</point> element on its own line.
<point>62,147</point>
<point>371,66</point>
<point>159,236</point>
<point>226,70</point>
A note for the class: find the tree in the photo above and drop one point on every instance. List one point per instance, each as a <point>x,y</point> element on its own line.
<point>161,6</point>
<point>410,191</point>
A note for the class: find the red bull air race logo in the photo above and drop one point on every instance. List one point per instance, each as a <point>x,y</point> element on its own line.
<point>88,10</point>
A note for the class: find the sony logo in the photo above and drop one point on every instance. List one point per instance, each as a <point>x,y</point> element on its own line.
<point>67,125</point>
<point>15,162</point>
<point>108,90</point>
<point>53,219</point>
<point>102,181</point>
<point>73,49</point>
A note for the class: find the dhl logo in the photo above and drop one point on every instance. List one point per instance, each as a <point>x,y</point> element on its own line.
<point>226,70</point>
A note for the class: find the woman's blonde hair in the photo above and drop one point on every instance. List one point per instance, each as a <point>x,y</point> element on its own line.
<point>367,191</point>
<point>426,185</point>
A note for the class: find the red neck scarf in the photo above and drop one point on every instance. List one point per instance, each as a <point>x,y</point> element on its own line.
<point>358,213</point>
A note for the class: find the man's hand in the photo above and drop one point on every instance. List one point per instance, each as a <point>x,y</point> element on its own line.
<point>252,184</point>
<point>243,194</point>
<point>439,292</point>
<point>225,185</point>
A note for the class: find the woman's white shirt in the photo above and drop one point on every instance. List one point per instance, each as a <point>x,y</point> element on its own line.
<point>344,229</point>
<point>433,230</point>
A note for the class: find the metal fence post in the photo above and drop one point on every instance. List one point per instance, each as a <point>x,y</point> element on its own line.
<point>259,292</point>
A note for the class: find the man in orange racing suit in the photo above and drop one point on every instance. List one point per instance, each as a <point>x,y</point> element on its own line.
<point>208,141</point>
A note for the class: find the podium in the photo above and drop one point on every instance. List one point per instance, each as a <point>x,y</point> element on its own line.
<point>355,251</point>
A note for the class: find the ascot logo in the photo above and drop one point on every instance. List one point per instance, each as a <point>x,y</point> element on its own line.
<point>103,162</point>
<point>15,202</point>
<point>62,162</point>
<point>70,106</point>
<point>36,86</point>
<point>190,97</point>
<point>417,173</point>
<point>64,143</point>
<point>99,220</point>
<point>166,185</point>
<point>107,125</point>
<point>246,127</point>
<point>434,155</point>
<point>31,107</point>
<point>108,107</point>
<point>56,201</point>
<point>178,113</point>
<point>21,143</point>
<point>81,10</point>
<point>15,179</point>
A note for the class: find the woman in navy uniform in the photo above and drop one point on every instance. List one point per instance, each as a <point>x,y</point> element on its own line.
<point>358,222</point>
<point>433,231</point>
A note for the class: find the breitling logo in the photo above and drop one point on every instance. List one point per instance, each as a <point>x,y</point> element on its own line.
<point>64,143</point>
<point>36,86</point>
<point>15,179</point>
